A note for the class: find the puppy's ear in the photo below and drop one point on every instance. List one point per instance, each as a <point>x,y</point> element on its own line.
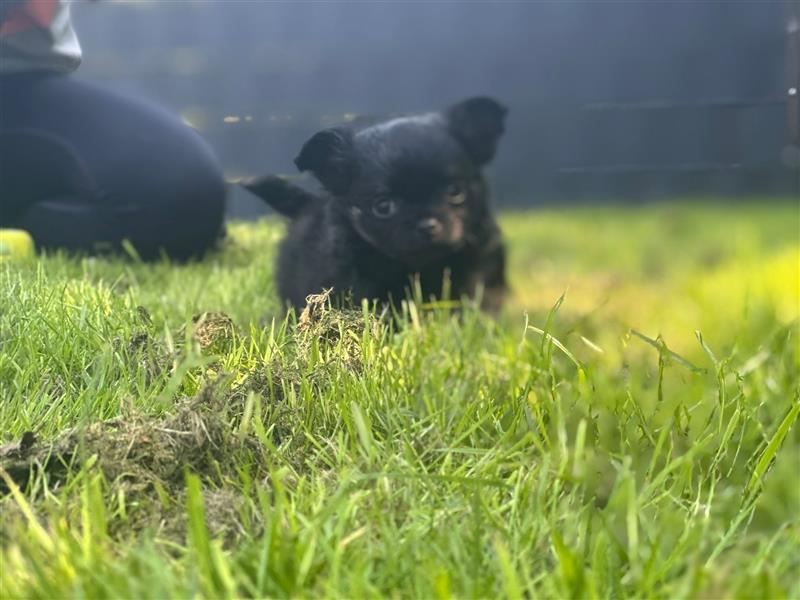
<point>329,156</point>
<point>478,124</point>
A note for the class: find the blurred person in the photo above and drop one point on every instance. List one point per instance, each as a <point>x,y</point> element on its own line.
<point>83,167</point>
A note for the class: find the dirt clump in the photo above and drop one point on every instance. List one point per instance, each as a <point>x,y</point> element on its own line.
<point>215,332</point>
<point>135,449</point>
<point>339,330</point>
<point>145,459</point>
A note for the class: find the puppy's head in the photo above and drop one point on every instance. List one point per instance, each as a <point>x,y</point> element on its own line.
<point>412,187</point>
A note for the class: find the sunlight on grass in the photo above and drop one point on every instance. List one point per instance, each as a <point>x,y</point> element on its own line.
<point>669,273</point>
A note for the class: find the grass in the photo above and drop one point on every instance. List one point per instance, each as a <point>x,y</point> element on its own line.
<point>634,438</point>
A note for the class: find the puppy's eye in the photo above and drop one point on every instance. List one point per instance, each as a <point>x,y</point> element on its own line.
<point>455,194</point>
<point>384,208</point>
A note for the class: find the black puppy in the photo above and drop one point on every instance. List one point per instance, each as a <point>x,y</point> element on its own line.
<point>406,200</point>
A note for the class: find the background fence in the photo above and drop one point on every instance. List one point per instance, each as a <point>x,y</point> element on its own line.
<point>609,100</point>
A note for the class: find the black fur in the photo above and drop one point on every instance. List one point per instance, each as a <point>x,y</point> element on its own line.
<point>287,199</point>
<point>406,199</point>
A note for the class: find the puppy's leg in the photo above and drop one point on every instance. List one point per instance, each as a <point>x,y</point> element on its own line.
<point>286,198</point>
<point>491,273</point>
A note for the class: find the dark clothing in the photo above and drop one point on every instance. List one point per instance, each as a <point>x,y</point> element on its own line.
<point>84,168</point>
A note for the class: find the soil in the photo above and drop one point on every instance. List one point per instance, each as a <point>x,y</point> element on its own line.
<point>145,458</point>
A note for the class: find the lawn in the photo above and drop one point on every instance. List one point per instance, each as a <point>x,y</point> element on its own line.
<point>626,428</point>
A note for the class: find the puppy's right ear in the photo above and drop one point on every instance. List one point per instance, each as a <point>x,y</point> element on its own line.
<point>478,124</point>
<point>329,156</point>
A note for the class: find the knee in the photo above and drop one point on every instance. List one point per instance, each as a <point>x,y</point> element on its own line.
<point>203,187</point>
<point>190,210</point>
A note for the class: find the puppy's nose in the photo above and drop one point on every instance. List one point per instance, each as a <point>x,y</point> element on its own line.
<point>430,226</point>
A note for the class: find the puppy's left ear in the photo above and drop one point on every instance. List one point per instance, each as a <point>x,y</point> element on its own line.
<point>478,124</point>
<point>329,156</point>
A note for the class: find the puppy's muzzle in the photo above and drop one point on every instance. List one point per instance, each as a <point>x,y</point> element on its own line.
<point>430,227</point>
